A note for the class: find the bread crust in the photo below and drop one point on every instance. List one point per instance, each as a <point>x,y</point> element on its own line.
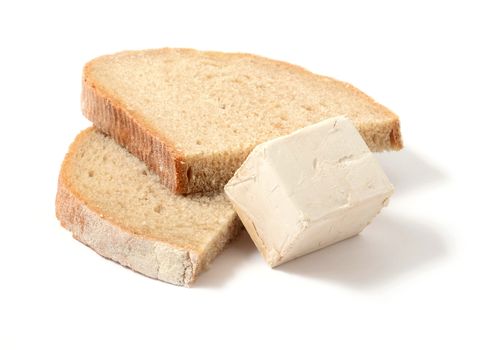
<point>129,130</point>
<point>142,253</point>
<point>162,156</point>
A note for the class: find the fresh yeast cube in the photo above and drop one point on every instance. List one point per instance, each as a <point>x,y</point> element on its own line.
<point>299,193</point>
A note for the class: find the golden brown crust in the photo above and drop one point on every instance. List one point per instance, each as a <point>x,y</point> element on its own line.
<point>131,130</point>
<point>395,135</point>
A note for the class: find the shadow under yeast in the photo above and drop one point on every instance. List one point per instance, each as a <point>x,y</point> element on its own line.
<point>386,250</point>
<point>408,171</point>
<point>228,262</point>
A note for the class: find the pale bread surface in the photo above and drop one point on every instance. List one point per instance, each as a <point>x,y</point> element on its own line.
<point>115,205</point>
<point>194,116</point>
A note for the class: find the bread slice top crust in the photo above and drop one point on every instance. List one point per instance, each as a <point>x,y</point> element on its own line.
<point>194,116</point>
<point>121,191</point>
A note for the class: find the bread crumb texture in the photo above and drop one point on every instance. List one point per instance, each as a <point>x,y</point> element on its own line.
<point>212,108</point>
<point>112,202</point>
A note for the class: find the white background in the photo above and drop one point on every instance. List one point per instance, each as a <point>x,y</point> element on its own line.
<point>418,277</point>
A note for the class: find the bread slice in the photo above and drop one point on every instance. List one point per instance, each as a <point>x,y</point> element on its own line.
<point>112,203</point>
<point>194,116</point>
